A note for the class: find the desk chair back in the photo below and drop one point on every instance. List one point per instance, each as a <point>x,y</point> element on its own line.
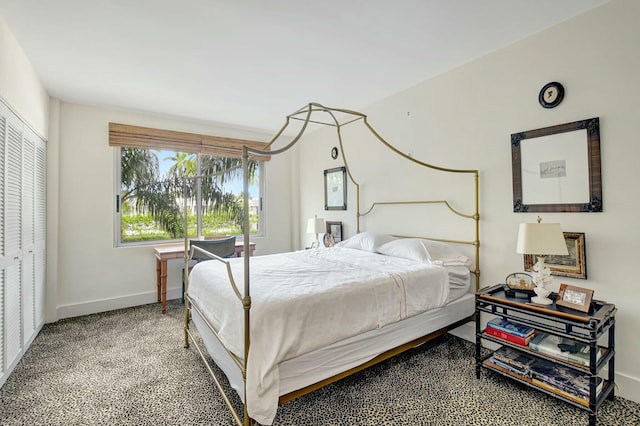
<point>223,247</point>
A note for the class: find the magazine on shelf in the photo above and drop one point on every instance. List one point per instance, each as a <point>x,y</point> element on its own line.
<point>581,399</point>
<point>511,327</point>
<point>563,378</point>
<point>509,367</point>
<point>563,348</point>
<point>516,359</point>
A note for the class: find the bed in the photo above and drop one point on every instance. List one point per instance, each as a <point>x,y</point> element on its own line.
<point>311,317</point>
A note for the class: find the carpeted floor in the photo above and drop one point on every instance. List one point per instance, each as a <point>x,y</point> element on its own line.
<point>128,367</point>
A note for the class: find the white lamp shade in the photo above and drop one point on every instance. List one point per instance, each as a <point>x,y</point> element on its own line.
<point>541,239</point>
<point>315,225</point>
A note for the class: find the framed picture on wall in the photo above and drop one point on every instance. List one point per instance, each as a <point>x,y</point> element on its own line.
<point>557,168</point>
<point>335,230</point>
<point>335,189</point>
<point>573,265</point>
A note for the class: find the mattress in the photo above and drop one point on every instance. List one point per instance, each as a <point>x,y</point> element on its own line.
<point>297,301</point>
<point>313,367</point>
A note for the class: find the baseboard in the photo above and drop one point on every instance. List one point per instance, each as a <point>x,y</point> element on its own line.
<point>627,387</point>
<point>466,331</point>
<point>104,305</point>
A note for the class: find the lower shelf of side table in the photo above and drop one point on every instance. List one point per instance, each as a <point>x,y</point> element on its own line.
<point>572,399</point>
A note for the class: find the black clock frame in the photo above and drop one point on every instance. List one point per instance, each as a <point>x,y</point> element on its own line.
<point>557,101</point>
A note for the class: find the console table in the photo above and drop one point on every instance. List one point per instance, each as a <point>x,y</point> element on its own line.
<point>176,251</point>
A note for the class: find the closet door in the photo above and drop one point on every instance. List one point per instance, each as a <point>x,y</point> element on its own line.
<point>28,237</point>
<point>40,230</point>
<point>11,264</point>
<point>3,278</point>
<point>22,238</point>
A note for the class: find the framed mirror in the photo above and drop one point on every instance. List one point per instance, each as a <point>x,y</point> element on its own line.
<point>335,189</point>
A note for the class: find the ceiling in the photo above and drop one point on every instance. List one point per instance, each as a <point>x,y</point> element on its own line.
<point>250,63</point>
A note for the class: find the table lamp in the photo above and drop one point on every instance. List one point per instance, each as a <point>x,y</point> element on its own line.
<point>315,226</point>
<point>541,239</point>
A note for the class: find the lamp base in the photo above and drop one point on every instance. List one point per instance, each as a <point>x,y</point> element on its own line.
<point>541,300</point>
<point>541,296</point>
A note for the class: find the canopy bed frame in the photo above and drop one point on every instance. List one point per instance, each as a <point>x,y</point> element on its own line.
<point>338,118</point>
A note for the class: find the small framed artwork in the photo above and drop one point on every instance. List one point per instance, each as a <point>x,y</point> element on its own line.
<point>335,189</point>
<point>573,265</point>
<point>577,298</point>
<point>335,230</point>
<point>557,168</point>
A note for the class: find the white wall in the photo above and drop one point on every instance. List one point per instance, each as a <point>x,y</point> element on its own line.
<point>20,86</point>
<point>464,119</point>
<point>92,274</point>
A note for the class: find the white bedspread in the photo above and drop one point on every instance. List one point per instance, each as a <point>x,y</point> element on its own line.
<point>309,299</point>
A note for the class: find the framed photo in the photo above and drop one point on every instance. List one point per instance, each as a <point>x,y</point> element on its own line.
<point>557,169</point>
<point>577,298</point>
<point>335,230</point>
<point>573,265</point>
<point>335,189</point>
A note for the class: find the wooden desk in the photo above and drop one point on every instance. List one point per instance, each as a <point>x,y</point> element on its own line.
<point>176,251</point>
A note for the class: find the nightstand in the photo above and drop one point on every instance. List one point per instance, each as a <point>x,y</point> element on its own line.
<point>594,331</point>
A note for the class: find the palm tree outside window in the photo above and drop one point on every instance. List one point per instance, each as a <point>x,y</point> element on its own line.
<point>152,194</point>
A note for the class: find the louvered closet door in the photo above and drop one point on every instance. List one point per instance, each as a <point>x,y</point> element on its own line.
<point>22,238</point>
<point>28,236</point>
<point>12,240</point>
<point>3,262</point>
<point>40,230</point>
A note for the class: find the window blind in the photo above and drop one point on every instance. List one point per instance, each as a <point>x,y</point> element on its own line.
<point>125,135</point>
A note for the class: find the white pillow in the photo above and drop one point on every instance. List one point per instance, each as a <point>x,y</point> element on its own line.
<point>445,253</point>
<point>406,248</point>
<point>367,241</point>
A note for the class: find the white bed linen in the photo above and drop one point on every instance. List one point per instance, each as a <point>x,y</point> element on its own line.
<point>297,298</point>
<point>310,368</point>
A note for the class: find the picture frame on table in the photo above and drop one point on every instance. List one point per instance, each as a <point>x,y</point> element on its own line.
<point>573,297</point>
<point>557,168</point>
<point>573,265</point>
<point>335,230</point>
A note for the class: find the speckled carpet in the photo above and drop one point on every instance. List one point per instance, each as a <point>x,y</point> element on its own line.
<point>128,367</point>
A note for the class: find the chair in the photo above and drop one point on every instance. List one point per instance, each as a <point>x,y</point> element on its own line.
<point>223,247</point>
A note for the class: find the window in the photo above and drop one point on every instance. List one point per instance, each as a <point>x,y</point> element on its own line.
<point>161,174</point>
<point>151,198</point>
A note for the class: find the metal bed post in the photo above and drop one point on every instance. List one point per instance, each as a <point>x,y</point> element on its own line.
<point>246,300</point>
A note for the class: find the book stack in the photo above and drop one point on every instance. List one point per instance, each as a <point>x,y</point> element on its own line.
<point>510,331</point>
<point>569,383</point>
<point>513,360</point>
<point>562,348</point>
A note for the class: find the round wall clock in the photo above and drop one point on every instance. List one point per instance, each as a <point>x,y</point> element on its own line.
<point>334,152</point>
<point>551,95</point>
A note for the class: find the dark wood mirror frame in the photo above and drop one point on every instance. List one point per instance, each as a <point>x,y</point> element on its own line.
<point>592,126</point>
